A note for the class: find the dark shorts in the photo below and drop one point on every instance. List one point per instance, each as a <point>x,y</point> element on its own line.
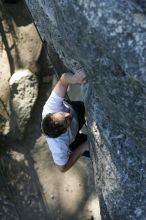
<point>78,106</point>
<point>80,138</point>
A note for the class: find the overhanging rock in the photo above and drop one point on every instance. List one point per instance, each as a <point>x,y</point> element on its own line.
<point>109,39</point>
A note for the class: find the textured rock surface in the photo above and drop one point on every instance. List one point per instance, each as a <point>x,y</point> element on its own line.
<point>109,39</point>
<point>24,91</point>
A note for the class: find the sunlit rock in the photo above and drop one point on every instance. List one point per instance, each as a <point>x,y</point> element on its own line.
<point>108,38</point>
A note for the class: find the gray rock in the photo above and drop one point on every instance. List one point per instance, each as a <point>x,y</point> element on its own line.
<point>109,39</point>
<point>24,91</point>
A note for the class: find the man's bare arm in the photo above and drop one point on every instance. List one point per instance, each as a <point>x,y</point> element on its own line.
<point>69,79</point>
<point>74,157</point>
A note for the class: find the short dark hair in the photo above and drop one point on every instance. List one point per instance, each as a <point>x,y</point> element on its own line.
<point>52,127</point>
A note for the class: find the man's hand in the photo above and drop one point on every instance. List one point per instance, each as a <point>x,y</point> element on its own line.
<point>79,77</point>
<point>69,79</point>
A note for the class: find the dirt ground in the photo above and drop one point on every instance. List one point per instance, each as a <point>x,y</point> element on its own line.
<point>30,185</point>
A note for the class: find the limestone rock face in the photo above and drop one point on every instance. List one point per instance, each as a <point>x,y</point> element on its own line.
<point>108,38</point>
<point>24,91</point>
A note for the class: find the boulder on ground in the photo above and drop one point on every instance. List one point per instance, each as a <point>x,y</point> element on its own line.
<point>24,92</point>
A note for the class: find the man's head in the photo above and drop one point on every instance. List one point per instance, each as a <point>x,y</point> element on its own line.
<point>55,124</point>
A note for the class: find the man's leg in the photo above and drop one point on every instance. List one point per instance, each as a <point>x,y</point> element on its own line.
<point>79,107</point>
<point>80,138</point>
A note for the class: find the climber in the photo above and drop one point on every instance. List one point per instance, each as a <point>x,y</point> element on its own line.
<point>62,121</point>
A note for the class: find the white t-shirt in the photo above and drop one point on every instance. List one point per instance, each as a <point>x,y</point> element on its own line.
<point>59,146</point>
